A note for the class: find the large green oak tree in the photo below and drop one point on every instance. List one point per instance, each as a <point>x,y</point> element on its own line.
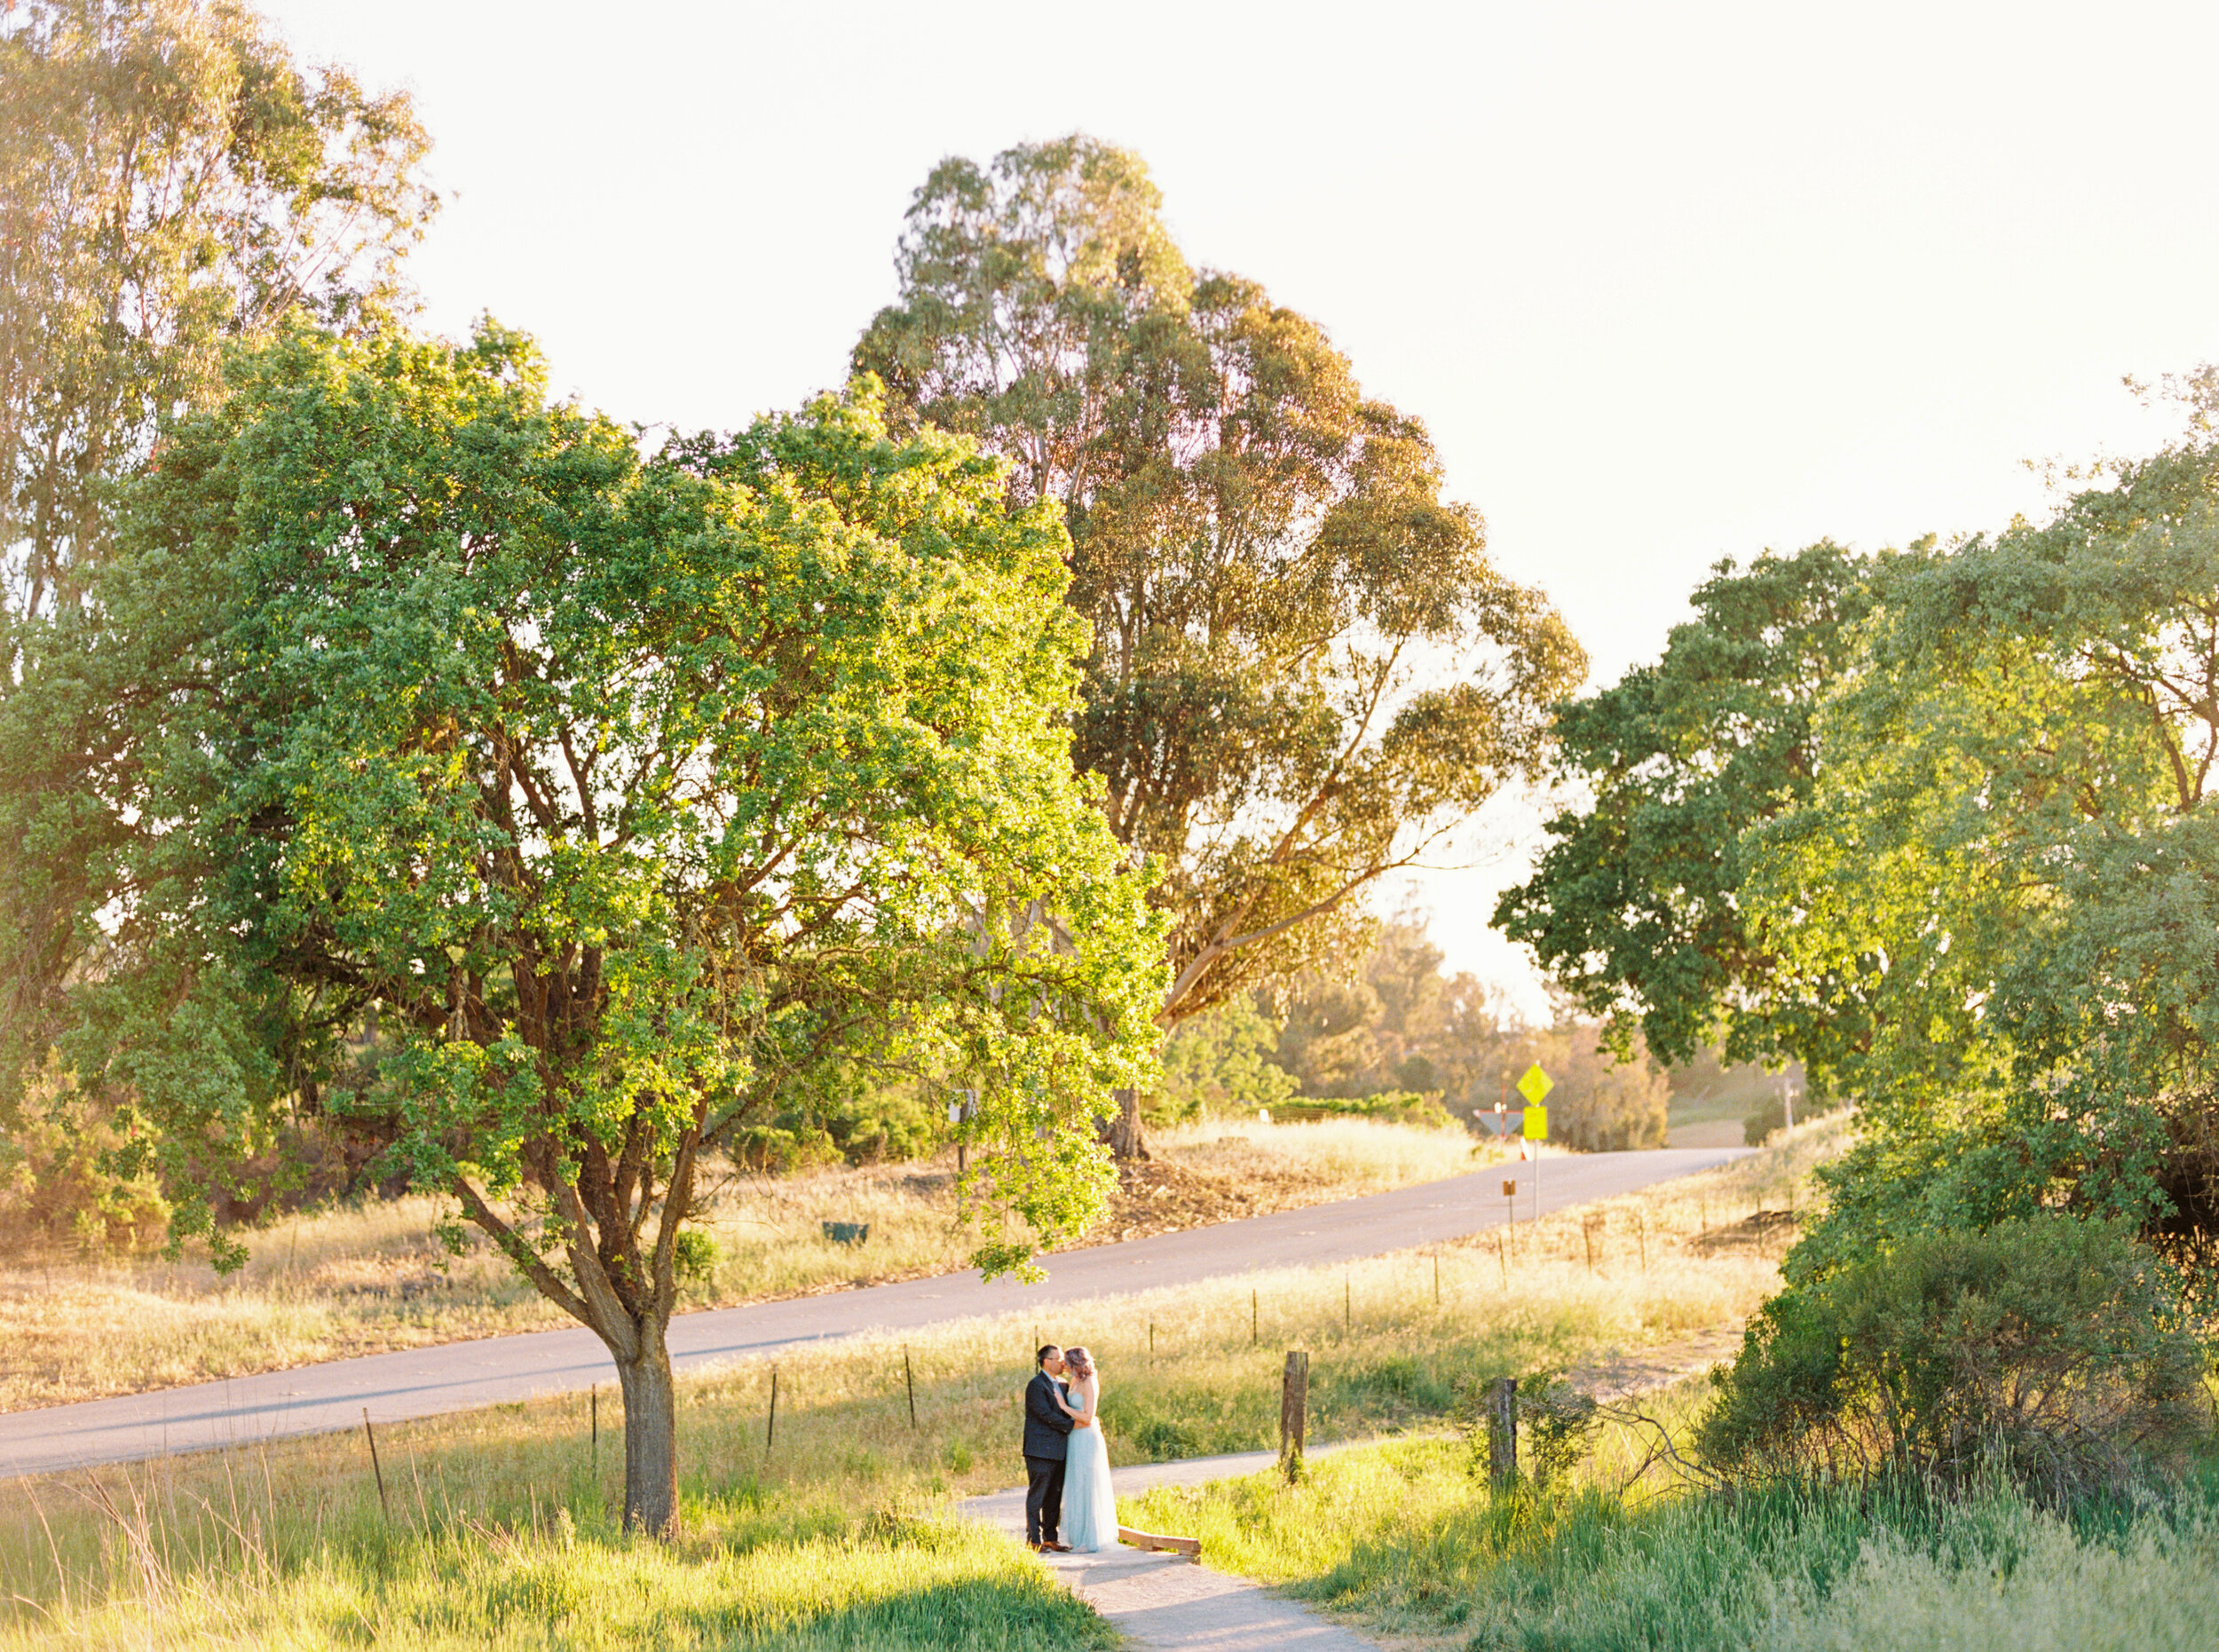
<point>445,760</point>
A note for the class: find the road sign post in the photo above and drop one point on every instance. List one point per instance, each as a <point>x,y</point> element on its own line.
<point>1535,1086</point>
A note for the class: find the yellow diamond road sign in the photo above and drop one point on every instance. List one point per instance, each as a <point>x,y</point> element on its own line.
<point>1536,1085</point>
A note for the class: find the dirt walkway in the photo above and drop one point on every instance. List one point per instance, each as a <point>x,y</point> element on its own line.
<point>1163,1602</point>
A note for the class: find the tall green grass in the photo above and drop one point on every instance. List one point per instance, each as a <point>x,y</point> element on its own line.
<point>779,1572</point>
<point>1405,1539</point>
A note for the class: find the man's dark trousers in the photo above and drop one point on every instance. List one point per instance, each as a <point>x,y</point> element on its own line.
<point>1044,1498</point>
<point>1047,1438</point>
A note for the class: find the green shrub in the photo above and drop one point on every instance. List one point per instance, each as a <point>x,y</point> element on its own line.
<point>1219,1064</point>
<point>58,1184</point>
<point>1408,1107</point>
<point>696,1257</point>
<point>1557,1424</point>
<point>2051,1349</point>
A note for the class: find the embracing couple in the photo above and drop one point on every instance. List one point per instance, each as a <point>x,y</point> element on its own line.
<point>1066,1460</point>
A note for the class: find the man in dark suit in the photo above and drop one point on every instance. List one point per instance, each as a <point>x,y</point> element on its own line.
<point>1048,1437</point>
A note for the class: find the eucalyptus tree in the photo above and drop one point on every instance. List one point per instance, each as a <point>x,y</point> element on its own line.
<point>169,179</point>
<point>1305,671</point>
<point>443,759</point>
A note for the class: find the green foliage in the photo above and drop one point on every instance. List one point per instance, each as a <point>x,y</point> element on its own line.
<point>1217,1063</point>
<point>1393,1020</point>
<point>1756,1129</point>
<point>1262,551</point>
<point>1635,907</point>
<point>1556,1424</point>
<point>2002,881</point>
<point>864,1118</point>
<point>58,1184</point>
<point>1409,1107</point>
<point>695,1257</point>
<point>170,178</point>
<point>1937,826</point>
<point>1403,1540</point>
<point>439,758</point>
<point>1398,1026</point>
<point>2051,1348</point>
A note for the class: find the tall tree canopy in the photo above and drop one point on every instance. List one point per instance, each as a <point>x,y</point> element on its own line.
<point>1998,911</point>
<point>444,761</point>
<point>1939,826</point>
<point>169,179</point>
<point>1304,668</point>
<point>1636,908</point>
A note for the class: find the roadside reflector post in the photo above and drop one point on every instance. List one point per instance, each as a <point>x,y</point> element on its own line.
<point>1535,1086</point>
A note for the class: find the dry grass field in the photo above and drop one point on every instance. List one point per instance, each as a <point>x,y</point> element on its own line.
<point>361,1280</point>
<point>496,1526</point>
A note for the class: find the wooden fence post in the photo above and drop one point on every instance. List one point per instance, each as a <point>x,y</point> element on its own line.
<point>1294,1403</point>
<point>376,1468</point>
<point>909,1379</point>
<point>1502,1431</point>
<point>771,1422</point>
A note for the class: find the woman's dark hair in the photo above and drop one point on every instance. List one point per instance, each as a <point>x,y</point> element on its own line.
<point>1080,1361</point>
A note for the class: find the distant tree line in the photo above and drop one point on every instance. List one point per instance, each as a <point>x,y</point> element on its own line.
<point>1401,1023</point>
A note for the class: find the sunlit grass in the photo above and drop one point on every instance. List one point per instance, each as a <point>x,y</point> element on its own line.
<point>288,1545</point>
<point>1406,1540</point>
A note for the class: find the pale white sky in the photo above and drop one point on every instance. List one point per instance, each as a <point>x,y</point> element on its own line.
<point>1668,283</point>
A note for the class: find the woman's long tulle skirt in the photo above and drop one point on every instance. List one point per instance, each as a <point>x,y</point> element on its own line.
<point>1090,1508</point>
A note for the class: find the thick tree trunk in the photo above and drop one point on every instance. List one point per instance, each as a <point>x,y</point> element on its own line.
<point>651,1437</point>
<point>1127,1137</point>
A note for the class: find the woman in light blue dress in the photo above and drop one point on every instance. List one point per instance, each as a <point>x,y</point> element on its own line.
<point>1090,1508</point>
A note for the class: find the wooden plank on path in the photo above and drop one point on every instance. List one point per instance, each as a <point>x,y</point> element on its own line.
<point>1191,1547</point>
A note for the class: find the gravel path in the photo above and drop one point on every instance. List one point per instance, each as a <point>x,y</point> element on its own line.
<point>460,1376</point>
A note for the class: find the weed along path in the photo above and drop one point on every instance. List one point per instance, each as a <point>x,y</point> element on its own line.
<point>459,1376</point>
<point>1166,1602</point>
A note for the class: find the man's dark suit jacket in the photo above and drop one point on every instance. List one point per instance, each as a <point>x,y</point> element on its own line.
<point>1048,1426</point>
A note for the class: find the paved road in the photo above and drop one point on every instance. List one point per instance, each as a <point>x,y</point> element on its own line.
<point>458,1376</point>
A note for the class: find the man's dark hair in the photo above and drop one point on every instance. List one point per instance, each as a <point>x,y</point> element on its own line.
<point>1040,1359</point>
